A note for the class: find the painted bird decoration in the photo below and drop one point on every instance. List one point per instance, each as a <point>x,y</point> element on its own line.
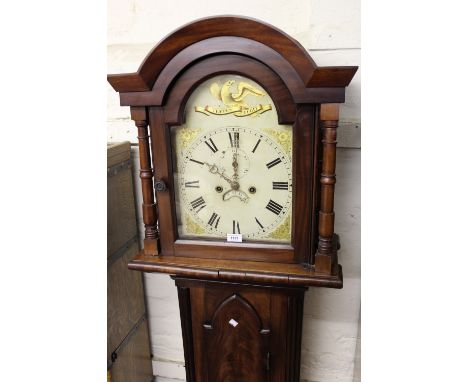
<point>229,98</point>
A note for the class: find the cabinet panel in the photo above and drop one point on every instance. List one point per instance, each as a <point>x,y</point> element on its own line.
<point>240,333</point>
<point>236,343</point>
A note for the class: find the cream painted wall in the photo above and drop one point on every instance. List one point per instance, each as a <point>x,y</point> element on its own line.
<point>330,31</point>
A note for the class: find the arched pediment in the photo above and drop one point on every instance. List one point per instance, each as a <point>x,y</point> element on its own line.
<point>212,32</point>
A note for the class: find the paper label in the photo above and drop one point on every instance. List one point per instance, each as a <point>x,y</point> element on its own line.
<point>233,322</point>
<point>234,237</point>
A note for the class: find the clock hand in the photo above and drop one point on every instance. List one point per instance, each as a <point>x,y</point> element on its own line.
<point>235,191</point>
<point>235,165</point>
<point>214,170</point>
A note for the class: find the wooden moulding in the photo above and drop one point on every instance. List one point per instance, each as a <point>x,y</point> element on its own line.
<point>233,47</point>
<point>203,29</point>
<point>187,80</point>
<point>254,272</point>
<point>329,116</point>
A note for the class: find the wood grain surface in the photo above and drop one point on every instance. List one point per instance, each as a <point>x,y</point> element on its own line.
<point>240,332</point>
<point>255,272</point>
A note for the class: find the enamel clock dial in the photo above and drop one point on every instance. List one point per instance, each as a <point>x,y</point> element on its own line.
<point>232,164</point>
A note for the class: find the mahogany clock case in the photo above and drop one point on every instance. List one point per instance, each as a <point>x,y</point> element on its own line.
<point>303,182</point>
<point>305,96</point>
<point>240,303</point>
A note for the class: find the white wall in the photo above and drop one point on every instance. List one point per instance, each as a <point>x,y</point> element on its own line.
<point>330,30</point>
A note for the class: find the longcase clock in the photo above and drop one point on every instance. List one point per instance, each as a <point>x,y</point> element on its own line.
<point>237,136</point>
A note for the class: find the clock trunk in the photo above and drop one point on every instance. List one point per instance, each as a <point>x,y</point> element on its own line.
<point>235,332</point>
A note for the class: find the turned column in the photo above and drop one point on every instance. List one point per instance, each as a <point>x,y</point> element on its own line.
<point>329,116</point>
<point>150,218</point>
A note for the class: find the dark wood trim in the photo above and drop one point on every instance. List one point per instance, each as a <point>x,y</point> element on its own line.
<point>162,162</point>
<point>295,315</point>
<point>229,46</point>
<point>181,89</point>
<point>188,282</point>
<point>235,26</point>
<point>315,196</point>
<point>303,134</point>
<point>206,28</point>
<point>336,76</point>
<point>186,323</point>
<point>329,116</point>
<point>303,143</point>
<point>150,217</point>
<point>255,272</point>
<point>275,253</point>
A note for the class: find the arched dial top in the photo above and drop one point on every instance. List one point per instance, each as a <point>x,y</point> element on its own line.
<point>232,164</point>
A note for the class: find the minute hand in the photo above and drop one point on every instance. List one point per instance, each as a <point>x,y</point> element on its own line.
<point>214,170</point>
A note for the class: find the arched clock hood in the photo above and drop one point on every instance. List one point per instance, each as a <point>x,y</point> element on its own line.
<point>245,36</point>
<point>306,97</point>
